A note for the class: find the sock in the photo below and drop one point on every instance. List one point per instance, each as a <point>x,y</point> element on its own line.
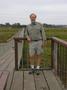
<point>37,67</point>
<point>32,66</point>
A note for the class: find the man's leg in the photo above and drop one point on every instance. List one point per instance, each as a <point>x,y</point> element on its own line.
<point>31,59</point>
<point>39,56</point>
<point>39,51</point>
<point>31,54</point>
<point>38,60</point>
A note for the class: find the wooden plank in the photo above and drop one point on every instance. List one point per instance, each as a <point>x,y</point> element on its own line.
<point>52,82</point>
<point>17,83</point>
<point>11,69</point>
<point>3,80</point>
<point>40,82</point>
<point>5,65</point>
<point>28,81</point>
<point>11,66</point>
<point>4,59</point>
<point>0,73</point>
<point>4,56</point>
<point>8,59</point>
<point>9,81</point>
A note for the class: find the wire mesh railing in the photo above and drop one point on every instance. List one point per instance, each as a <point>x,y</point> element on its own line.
<point>59,59</point>
<point>25,62</point>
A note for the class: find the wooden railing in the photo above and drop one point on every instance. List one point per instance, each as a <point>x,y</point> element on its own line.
<point>17,40</point>
<point>25,54</point>
<point>59,58</point>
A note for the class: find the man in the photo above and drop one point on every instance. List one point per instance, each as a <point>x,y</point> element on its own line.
<point>35,35</point>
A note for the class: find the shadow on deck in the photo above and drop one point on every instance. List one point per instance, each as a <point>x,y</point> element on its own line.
<point>21,80</point>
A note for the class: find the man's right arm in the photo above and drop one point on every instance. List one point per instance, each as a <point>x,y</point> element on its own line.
<point>27,34</point>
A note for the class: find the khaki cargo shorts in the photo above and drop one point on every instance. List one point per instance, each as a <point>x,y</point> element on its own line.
<point>35,47</point>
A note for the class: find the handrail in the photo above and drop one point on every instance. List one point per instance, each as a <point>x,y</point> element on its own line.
<point>59,58</point>
<point>18,39</point>
<point>13,36</point>
<point>60,41</point>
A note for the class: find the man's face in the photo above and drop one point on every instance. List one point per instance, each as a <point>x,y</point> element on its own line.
<point>33,18</point>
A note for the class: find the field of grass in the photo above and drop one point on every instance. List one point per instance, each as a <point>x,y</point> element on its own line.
<point>6,33</point>
<point>50,32</point>
<point>58,32</point>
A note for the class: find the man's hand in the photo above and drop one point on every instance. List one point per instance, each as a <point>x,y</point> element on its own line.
<point>43,44</point>
<point>28,39</point>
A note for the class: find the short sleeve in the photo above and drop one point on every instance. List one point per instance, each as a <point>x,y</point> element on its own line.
<point>43,33</point>
<point>26,32</point>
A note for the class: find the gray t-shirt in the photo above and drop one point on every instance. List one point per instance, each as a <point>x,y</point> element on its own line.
<point>35,31</point>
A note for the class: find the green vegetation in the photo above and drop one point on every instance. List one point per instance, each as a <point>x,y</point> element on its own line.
<point>50,32</point>
<point>6,33</point>
<point>57,32</point>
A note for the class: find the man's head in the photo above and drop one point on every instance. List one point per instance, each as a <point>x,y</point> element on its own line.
<point>33,17</point>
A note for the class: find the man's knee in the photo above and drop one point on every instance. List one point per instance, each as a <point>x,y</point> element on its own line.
<point>31,56</point>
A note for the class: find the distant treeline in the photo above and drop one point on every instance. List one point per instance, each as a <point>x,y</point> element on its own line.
<point>54,26</point>
<point>18,25</point>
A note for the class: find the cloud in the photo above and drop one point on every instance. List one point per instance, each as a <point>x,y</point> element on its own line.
<point>51,11</point>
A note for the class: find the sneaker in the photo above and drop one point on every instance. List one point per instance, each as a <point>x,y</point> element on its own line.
<point>31,71</point>
<point>20,67</point>
<point>37,72</point>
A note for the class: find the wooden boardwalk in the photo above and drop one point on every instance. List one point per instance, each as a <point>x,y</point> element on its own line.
<point>21,80</point>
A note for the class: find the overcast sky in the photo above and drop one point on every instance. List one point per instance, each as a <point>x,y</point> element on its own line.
<point>48,11</point>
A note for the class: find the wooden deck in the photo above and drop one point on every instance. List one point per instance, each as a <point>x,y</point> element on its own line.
<point>21,80</point>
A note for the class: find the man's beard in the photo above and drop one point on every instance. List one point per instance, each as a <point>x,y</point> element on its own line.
<point>33,22</point>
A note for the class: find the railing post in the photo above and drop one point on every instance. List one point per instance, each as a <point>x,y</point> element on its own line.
<point>55,57</point>
<point>52,48</point>
<point>65,69</point>
<point>16,55</point>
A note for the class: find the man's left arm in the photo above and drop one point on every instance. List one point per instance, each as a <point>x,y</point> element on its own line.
<point>43,35</point>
